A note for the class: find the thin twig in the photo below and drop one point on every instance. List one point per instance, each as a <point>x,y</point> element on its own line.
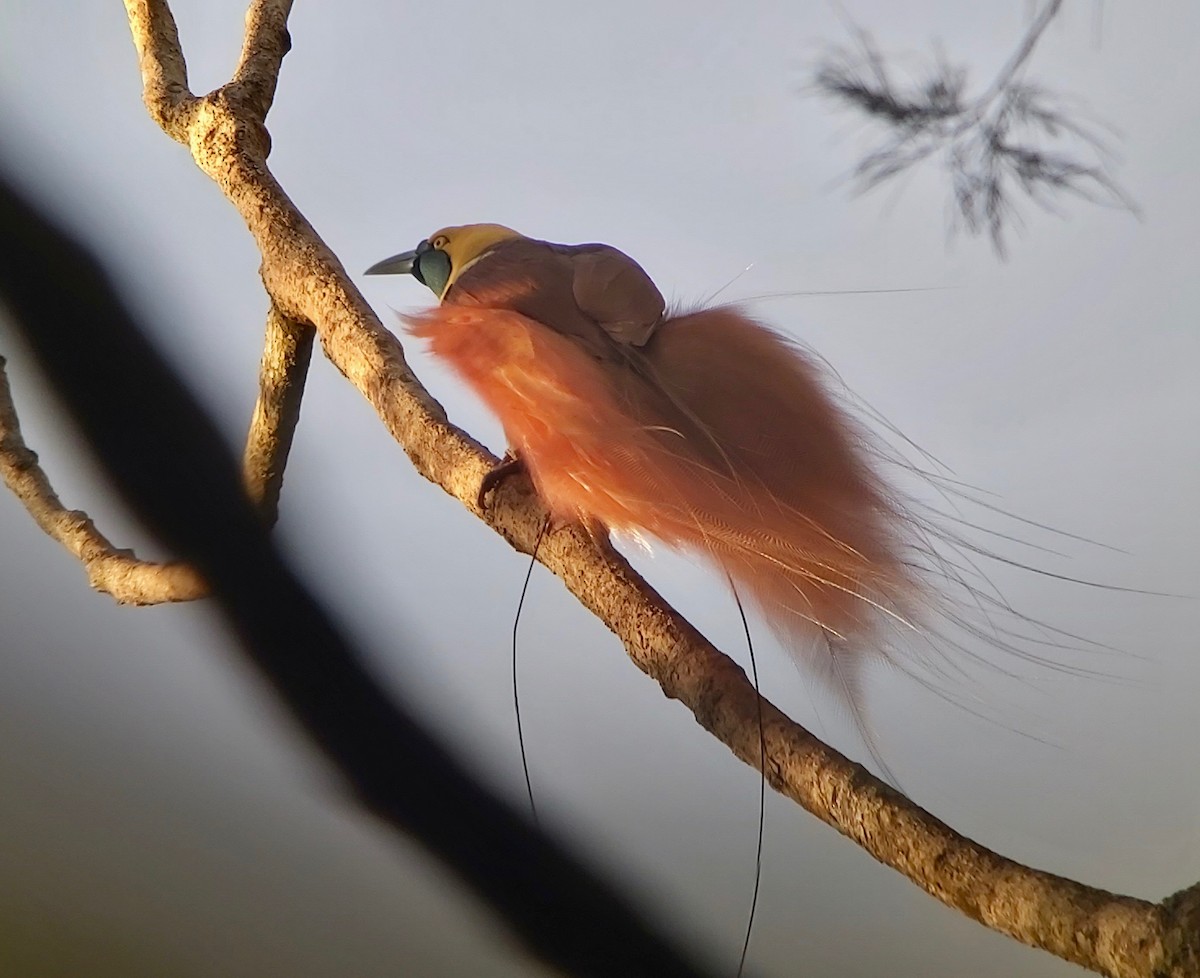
<point>1024,50</point>
<point>111,570</point>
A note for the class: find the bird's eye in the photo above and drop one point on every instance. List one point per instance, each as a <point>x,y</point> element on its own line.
<point>440,241</point>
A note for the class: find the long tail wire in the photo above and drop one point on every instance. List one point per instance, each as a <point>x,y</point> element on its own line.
<point>515,685</point>
<point>762,784</point>
<point>762,739</point>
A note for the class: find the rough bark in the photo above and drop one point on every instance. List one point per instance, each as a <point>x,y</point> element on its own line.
<point>287,350</point>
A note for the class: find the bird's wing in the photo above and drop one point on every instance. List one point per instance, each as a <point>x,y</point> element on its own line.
<point>591,293</point>
<point>611,289</point>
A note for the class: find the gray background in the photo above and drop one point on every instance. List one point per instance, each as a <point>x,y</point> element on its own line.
<point>157,813</point>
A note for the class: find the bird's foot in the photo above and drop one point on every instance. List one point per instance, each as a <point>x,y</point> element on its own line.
<point>509,465</point>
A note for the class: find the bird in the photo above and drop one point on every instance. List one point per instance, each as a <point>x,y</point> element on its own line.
<point>704,429</point>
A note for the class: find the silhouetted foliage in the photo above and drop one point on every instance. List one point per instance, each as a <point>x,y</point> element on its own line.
<point>1016,137</point>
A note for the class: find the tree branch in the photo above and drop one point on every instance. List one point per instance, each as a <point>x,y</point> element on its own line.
<point>115,572</point>
<point>287,351</point>
<point>263,49</point>
<point>164,71</point>
<point>288,346</point>
<point>1016,61</point>
<point>1114,935</point>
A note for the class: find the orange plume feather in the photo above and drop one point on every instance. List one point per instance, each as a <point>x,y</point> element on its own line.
<point>718,436</point>
<point>714,434</point>
<point>705,429</point>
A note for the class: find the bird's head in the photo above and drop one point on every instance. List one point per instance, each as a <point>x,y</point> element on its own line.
<point>438,260</point>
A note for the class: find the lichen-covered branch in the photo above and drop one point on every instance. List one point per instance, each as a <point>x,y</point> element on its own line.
<point>109,569</point>
<point>287,350</point>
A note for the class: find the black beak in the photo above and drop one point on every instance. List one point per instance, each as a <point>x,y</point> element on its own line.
<point>402,264</point>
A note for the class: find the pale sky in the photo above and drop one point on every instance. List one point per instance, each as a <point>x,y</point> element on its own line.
<point>157,814</point>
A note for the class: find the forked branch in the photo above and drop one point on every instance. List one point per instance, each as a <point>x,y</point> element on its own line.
<point>119,572</point>
<point>288,343</point>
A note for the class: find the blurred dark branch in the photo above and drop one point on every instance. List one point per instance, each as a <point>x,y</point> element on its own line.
<point>992,144</point>
<point>131,408</point>
<point>287,351</point>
